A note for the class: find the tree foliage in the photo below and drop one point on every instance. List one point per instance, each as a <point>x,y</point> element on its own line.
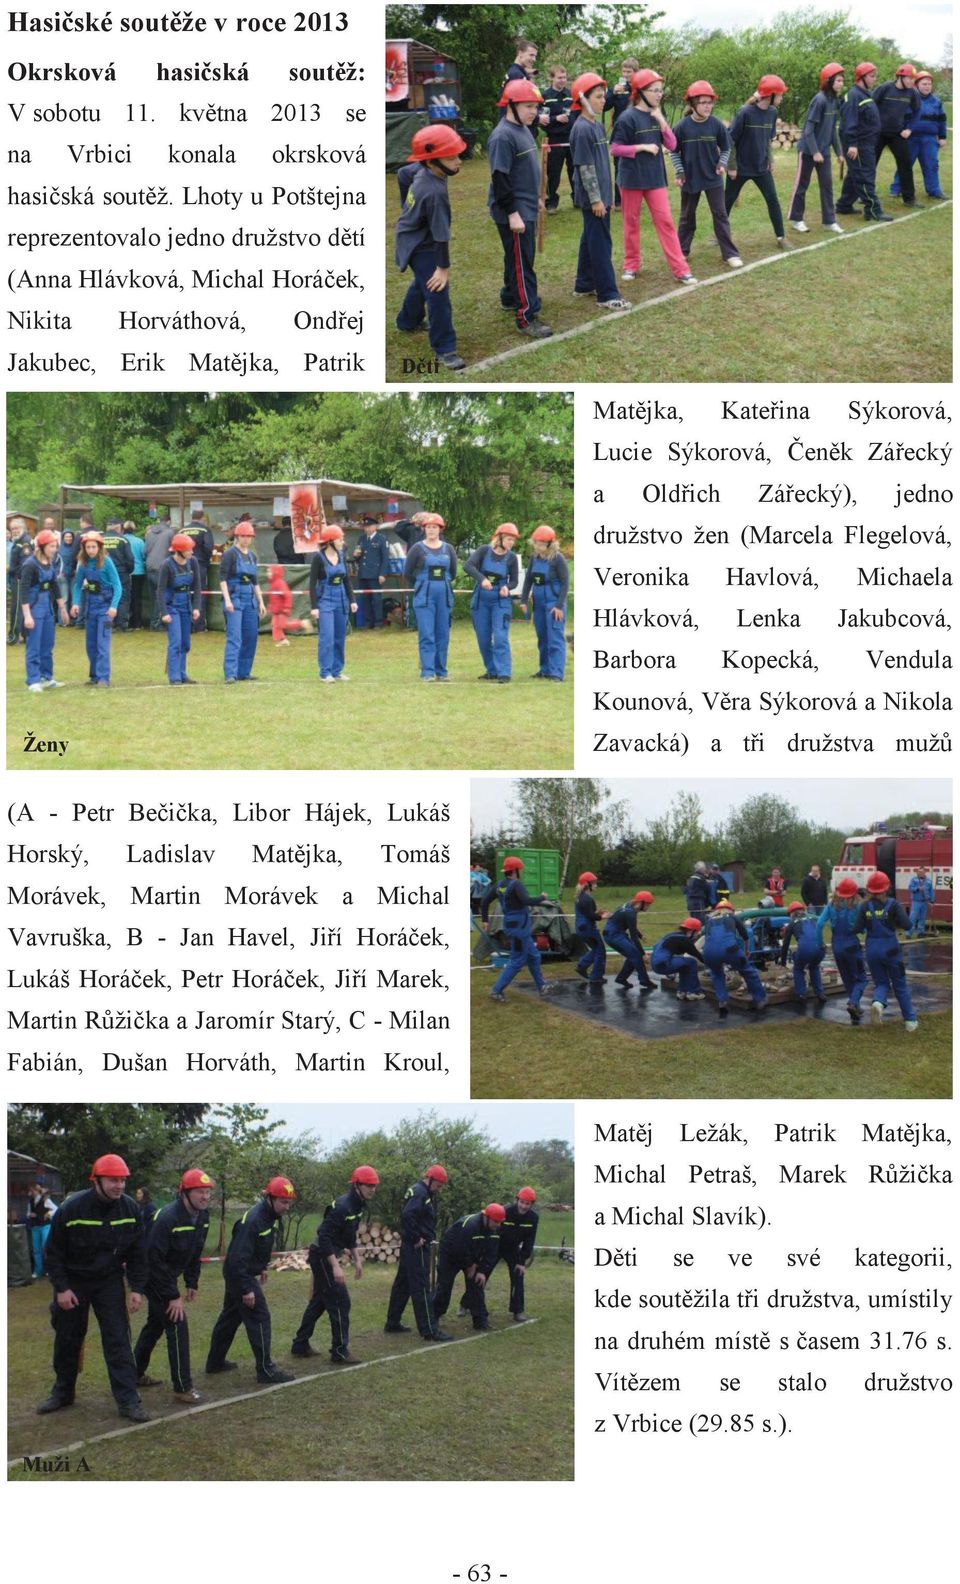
<point>577,815</point>
<point>71,1137</point>
<point>476,458</point>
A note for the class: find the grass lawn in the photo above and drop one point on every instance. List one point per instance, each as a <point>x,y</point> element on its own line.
<point>385,718</point>
<point>804,301</point>
<point>529,1050</point>
<point>495,1408</point>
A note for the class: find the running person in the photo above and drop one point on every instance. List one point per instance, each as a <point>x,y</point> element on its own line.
<point>587,920</point>
<point>96,599</point>
<point>881,916</point>
<point>515,903</point>
<point>841,914</point>
<point>804,930</point>
<point>724,939</point>
<point>621,933</point>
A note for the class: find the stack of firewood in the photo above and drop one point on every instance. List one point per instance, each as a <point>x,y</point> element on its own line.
<point>375,1243</point>
<point>786,136</point>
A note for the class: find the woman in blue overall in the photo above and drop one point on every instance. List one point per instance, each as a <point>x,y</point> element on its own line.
<point>430,568</point>
<point>676,954</point>
<point>41,602</point>
<point>724,938</point>
<point>178,597</point>
<point>331,602</point>
<point>515,904</point>
<point>620,932</point>
<point>96,595</point>
<point>242,604</point>
<point>495,571</point>
<point>881,916</point>
<point>841,914</point>
<point>587,917</point>
<point>547,580</point>
<point>803,928</point>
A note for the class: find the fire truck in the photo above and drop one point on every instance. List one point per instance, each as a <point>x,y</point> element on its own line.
<point>898,855</point>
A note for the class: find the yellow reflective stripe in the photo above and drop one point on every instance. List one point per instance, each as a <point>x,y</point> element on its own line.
<point>86,1223</point>
<point>190,1228</point>
<point>121,1221</point>
<point>267,1233</point>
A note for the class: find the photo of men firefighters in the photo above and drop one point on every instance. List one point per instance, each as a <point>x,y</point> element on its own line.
<point>452,1250</point>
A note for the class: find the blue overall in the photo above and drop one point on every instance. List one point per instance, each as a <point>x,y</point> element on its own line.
<point>97,593</point>
<point>925,128</point>
<point>524,951</point>
<point>847,950</point>
<point>809,954</point>
<point>594,959</point>
<point>433,603</point>
<point>722,947</point>
<point>883,956</point>
<point>545,594</point>
<point>178,605</point>
<point>491,615</point>
<point>243,622</point>
<point>40,636</point>
<point>333,610</point>
<point>677,965</point>
<point>620,941</point>
<point>922,896</point>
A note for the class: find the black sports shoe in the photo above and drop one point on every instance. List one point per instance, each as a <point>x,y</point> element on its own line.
<point>343,1357</point>
<point>439,1336</point>
<point>304,1350</point>
<point>274,1377</point>
<point>220,1369</point>
<point>54,1403</point>
<point>134,1411</point>
<point>396,1329</point>
<point>452,360</point>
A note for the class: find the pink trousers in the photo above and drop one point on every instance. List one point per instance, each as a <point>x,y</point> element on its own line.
<point>658,203</point>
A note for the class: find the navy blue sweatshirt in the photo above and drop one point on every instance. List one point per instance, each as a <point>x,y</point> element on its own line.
<point>338,1229</point>
<point>92,1239</point>
<point>701,147</point>
<point>251,1246</point>
<point>174,1245</point>
<point>418,1218</point>
<point>897,106</point>
<point>469,1242</point>
<point>519,1232</point>
<point>751,133</point>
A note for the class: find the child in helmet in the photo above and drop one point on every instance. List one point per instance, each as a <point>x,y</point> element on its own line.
<point>841,914</point>
<point>899,105</point>
<point>547,582</point>
<point>495,571</point>
<point>820,137</point>
<point>700,161</point>
<point>810,951</point>
<point>96,595</point>
<point>928,135</point>
<point>640,134</point>
<point>423,239</point>
<point>280,606</point>
<point>751,135</point>
<point>514,202</point>
<point>331,600</point>
<point>621,933</point>
<point>593,193</point>
<point>675,955</point>
<point>587,925</point>
<point>881,916</point>
<point>859,131</point>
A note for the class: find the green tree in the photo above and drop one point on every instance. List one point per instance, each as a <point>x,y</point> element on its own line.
<point>547,1165</point>
<point>577,815</point>
<point>473,1162</point>
<point>242,1153</point>
<point>71,1137</point>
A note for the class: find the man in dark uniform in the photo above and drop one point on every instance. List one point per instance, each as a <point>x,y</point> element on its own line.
<point>336,1232</point>
<point>373,566</point>
<point>95,1238</point>
<point>554,119</point>
<point>244,1273</point>
<point>418,1225</point>
<point>518,1234</point>
<point>471,1245</point>
<point>117,548</point>
<point>174,1246</point>
<point>899,105</point>
<point>198,530</point>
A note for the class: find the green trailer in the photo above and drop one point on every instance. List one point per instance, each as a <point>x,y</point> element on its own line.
<point>541,868</point>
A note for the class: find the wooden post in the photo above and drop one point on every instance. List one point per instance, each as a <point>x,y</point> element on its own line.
<point>542,215</point>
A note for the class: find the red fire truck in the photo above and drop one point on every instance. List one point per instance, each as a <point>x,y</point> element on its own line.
<point>898,855</point>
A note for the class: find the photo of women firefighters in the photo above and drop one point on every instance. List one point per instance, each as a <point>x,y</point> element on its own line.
<point>555,171</point>
<point>225,1278</point>
<point>712,938</point>
<point>391,544</point>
